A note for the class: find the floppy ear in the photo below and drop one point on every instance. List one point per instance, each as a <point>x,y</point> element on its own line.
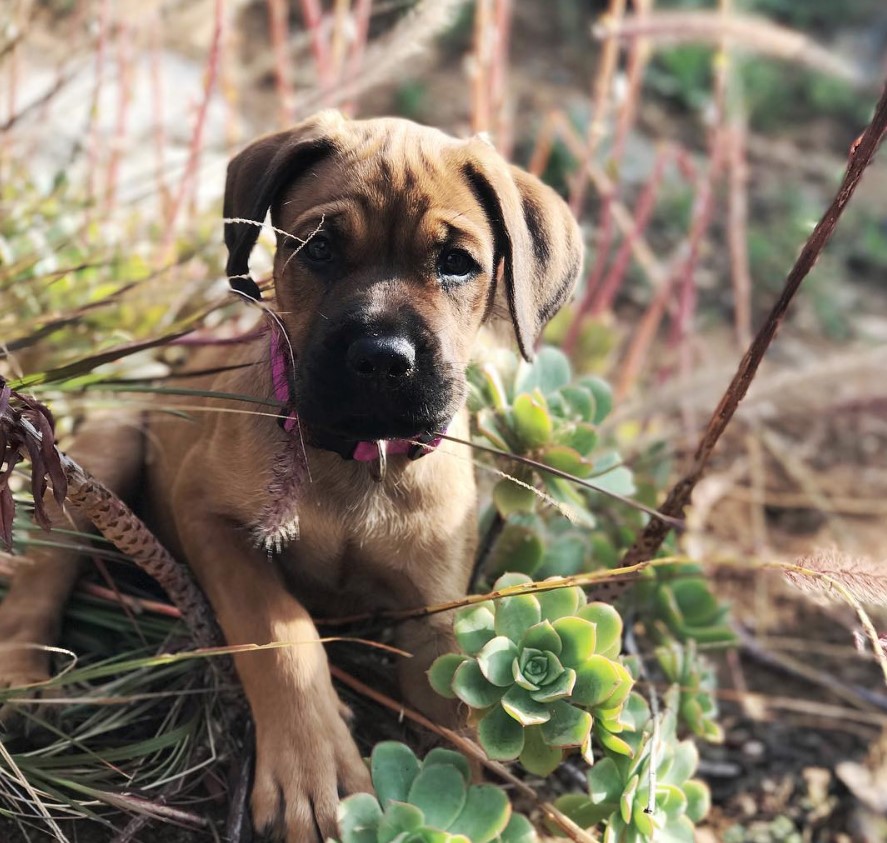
<point>256,177</point>
<point>537,240</point>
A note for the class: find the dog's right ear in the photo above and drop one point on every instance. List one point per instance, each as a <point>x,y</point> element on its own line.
<point>256,177</point>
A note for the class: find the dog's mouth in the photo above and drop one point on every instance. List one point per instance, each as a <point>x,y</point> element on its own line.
<point>370,444</point>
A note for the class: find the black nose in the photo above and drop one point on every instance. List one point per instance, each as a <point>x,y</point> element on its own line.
<point>385,356</point>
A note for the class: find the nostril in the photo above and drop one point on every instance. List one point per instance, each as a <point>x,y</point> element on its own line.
<point>385,356</point>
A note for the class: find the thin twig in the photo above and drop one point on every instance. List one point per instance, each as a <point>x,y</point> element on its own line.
<point>646,546</point>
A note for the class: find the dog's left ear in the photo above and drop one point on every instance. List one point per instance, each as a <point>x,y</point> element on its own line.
<point>538,241</point>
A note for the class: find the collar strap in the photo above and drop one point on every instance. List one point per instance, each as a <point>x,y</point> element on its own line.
<point>363,451</point>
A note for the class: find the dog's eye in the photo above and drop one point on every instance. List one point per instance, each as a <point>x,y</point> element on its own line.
<point>456,265</point>
<point>319,249</point>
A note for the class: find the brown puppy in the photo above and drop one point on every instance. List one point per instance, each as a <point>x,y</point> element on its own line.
<point>394,243</point>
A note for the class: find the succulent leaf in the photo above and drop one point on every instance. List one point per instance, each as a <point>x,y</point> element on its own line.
<point>472,687</point>
<point>523,708</point>
<point>440,674</point>
<point>537,756</point>
<point>359,818</point>
<point>496,660</point>
<point>542,636</point>
<point>485,815</point>
<point>394,767</point>
<point>515,614</point>
<point>501,736</point>
<point>578,637</point>
<point>440,793</point>
<point>474,626</point>
<point>532,421</point>
<point>568,726</point>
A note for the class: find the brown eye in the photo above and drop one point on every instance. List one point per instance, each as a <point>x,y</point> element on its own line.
<point>455,265</point>
<point>319,249</point>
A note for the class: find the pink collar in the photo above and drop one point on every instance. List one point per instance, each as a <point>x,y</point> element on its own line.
<point>365,451</point>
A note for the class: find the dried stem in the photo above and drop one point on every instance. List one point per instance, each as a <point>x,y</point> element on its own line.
<point>646,546</point>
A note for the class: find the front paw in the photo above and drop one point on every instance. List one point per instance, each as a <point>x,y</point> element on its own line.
<point>305,760</point>
<point>23,669</point>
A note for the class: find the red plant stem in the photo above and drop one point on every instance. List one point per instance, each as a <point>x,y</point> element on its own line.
<point>124,98</point>
<point>603,83</point>
<point>480,89</point>
<point>643,211</point>
<point>278,27</point>
<point>196,145</point>
<point>499,77</point>
<point>157,103</point>
<point>312,14</point>
<point>93,134</point>
<point>362,12</point>
<point>649,542</point>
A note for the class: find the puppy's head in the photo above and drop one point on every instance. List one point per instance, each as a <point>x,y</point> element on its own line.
<point>394,241</point>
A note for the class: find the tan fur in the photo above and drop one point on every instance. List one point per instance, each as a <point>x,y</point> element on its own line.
<point>221,481</point>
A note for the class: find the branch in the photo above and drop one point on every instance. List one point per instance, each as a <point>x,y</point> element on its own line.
<point>861,154</point>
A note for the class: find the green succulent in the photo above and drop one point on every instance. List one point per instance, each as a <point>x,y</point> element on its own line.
<point>686,608</point>
<point>696,683</point>
<point>618,786</point>
<point>540,672</point>
<point>539,410</point>
<point>428,802</point>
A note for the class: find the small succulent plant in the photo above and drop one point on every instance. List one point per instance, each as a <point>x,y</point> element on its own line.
<point>687,609</point>
<point>696,681</point>
<point>618,786</point>
<point>539,410</point>
<point>428,802</point>
<point>540,672</point>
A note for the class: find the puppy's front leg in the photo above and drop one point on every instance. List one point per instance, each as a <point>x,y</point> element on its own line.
<point>305,755</point>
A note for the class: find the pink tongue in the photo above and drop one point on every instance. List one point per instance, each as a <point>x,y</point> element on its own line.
<point>369,451</point>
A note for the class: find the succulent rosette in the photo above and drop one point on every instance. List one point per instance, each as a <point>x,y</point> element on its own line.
<point>540,672</point>
<point>618,786</point>
<point>430,801</point>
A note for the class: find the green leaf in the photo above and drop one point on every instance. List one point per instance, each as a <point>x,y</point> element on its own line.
<point>596,680</point>
<point>496,659</point>
<point>531,421</point>
<point>603,397</point>
<point>538,757</point>
<point>565,458</point>
<point>583,438</point>
<point>501,736</point>
<point>440,793</point>
<point>560,602</point>
<point>518,548</point>
<point>696,603</point>
<point>605,783</point>
<point>549,372</point>
<point>614,743</point>
<point>472,687</point>
<point>558,689</point>
<point>580,401</point>
<point>564,557</point>
<point>608,623</point>
<point>682,764</point>
<point>440,674</point>
<point>578,637</point>
<point>568,726</point>
<point>449,758</point>
<point>515,615</point>
<point>511,579</point>
<point>518,830</point>
<point>511,497</point>
<point>541,636</point>
<point>474,626</point>
<point>626,801</point>
<point>581,810</point>
<point>671,801</point>
<point>523,708</point>
<point>393,767</point>
<point>399,818</point>
<point>698,799</point>
<point>485,815</point>
<point>619,481</point>
<point>359,817</point>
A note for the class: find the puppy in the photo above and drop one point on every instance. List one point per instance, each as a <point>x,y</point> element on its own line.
<point>395,243</point>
